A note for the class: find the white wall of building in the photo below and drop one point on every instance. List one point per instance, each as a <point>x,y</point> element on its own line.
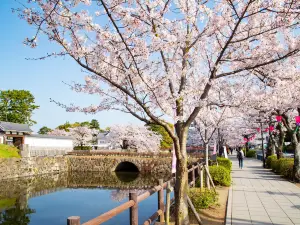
<point>48,142</point>
<point>103,144</point>
<point>1,139</point>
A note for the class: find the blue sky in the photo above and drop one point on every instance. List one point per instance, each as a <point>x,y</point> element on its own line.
<point>44,79</point>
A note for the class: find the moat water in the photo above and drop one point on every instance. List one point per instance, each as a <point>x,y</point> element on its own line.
<point>50,199</point>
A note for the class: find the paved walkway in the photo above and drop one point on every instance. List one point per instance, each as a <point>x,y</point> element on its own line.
<point>258,196</point>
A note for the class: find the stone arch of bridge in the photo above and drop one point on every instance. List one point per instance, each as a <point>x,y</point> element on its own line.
<point>126,166</point>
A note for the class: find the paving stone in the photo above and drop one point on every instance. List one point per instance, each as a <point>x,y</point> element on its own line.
<point>281,220</point>
<point>295,220</point>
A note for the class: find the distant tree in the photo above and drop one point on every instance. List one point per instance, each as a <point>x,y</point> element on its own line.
<point>17,106</point>
<point>44,130</point>
<point>85,124</point>
<point>58,132</point>
<point>76,124</point>
<point>66,126</point>
<point>166,141</point>
<point>95,124</point>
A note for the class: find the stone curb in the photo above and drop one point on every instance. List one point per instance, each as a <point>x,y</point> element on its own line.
<point>228,220</point>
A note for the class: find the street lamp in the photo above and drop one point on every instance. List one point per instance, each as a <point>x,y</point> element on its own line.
<point>261,114</point>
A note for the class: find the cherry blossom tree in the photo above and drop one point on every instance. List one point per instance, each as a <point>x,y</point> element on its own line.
<point>58,132</point>
<point>161,60</point>
<point>283,102</point>
<point>82,135</point>
<point>136,137</point>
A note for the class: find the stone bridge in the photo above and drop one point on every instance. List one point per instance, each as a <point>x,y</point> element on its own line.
<point>144,165</point>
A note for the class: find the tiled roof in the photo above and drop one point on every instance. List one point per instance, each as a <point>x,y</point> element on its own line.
<point>15,127</point>
<point>49,136</point>
<point>102,135</point>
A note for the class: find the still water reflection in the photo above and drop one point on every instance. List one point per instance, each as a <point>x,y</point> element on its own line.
<point>50,199</point>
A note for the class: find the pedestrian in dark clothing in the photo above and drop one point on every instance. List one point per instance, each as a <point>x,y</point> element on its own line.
<point>231,150</point>
<point>240,156</point>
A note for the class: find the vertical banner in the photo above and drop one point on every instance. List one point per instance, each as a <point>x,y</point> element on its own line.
<point>225,152</point>
<point>174,162</point>
<point>215,148</point>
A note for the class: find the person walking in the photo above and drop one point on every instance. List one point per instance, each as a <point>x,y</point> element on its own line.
<point>240,156</point>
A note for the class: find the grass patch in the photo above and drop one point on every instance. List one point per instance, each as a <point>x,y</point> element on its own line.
<point>7,151</point>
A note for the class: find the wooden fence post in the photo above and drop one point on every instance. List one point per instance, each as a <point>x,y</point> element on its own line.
<point>73,220</point>
<point>168,204</point>
<point>193,176</point>
<point>161,204</point>
<point>134,209</point>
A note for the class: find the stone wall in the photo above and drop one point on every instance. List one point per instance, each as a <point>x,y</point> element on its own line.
<point>31,166</point>
<point>15,167</point>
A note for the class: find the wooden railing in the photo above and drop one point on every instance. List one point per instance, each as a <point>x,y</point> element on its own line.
<point>196,171</point>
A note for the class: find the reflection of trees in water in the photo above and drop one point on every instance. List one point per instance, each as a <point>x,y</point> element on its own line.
<point>120,195</point>
<point>16,216</point>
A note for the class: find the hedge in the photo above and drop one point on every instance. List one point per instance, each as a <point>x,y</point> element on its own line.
<point>275,165</point>
<point>220,175</point>
<point>284,166</point>
<point>225,163</point>
<point>251,154</point>
<point>83,148</point>
<point>269,160</point>
<point>203,198</point>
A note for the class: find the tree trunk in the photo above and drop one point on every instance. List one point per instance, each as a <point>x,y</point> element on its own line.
<point>181,186</point>
<point>280,143</point>
<point>271,146</point>
<point>206,153</point>
<point>296,169</point>
<point>297,163</point>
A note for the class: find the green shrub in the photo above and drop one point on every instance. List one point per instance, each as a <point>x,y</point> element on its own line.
<point>285,167</point>
<point>220,175</point>
<point>251,154</point>
<point>275,165</point>
<point>203,198</point>
<point>269,160</point>
<point>7,151</point>
<point>225,163</point>
<point>83,148</point>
